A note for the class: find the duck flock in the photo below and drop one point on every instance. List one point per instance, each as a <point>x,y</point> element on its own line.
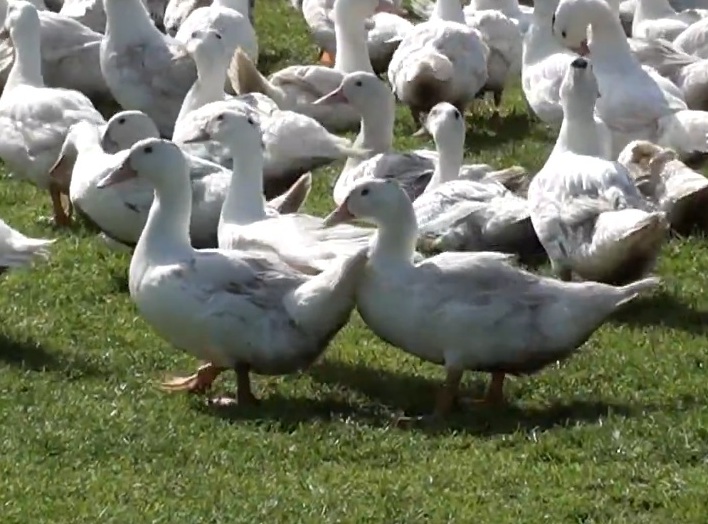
<point>203,171</point>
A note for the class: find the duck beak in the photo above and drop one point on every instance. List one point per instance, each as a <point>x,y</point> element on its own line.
<point>583,49</point>
<point>335,97</point>
<point>340,215</point>
<point>123,173</point>
<point>422,132</point>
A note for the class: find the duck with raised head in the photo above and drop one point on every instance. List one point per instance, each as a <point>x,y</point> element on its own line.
<point>588,213</point>
<point>467,311</point>
<point>245,311</point>
<point>440,60</point>
<point>374,101</point>
<point>636,103</point>
<point>296,87</point>
<point>298,239</point>
<point>455,214</point>
<point>35,119</point>
<point>145,69</point>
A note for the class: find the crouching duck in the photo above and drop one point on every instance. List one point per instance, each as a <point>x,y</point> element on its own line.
<point>245,311</point>
<point>467,311</point>
<point>588,213</point>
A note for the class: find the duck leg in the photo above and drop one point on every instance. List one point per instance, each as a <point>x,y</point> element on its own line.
<point>444,401</point>
<point>447,396</point>
<point>244,394</point>
<point>495,391</point>
<point>199,382</point>
<point>61,216</point>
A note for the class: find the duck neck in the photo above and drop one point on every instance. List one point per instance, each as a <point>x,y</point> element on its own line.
<point>449,163</point>
<point>394,242</point>
<point>128,21</point>
<point>449,11</point>
<point>237,5</point>
<point>244,202</point>
<point>376,131</point>
<point>578,132</point>
<point>27,67</point>
<point>207,88</point>
<point>166,231</point>
<point>609,48</point>
<point>352,51</point>
<point>539,42</point>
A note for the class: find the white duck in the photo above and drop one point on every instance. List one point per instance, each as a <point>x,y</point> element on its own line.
<point>245,224</point>
<point>177,11</point>
<point>637,103</point>
<point>588,213</point>
<point>687,72</point>
<point>413,170</point>
<point>227,18</point>
<point>468,311</point>
<point>385,30</point>
<point>295,143</point>
<point>235,310</point>
<point>92,14</point>
<point>454,214</point>
<point>120,213</point>
<point>296,87</point>
<point>505,43</point>
<point>545,62</point>
<point>18,250</point>
<point>144,69</point>
<point>441,60</point>
<point>657,19</point>
<point>70,55</point>
<point>676,189</point>
<point>35,119</point>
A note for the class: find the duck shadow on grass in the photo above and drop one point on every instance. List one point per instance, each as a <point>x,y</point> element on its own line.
<point>663,309</point>
<point>393,394</point>
<point>483,133</point>
<point>30,355</point>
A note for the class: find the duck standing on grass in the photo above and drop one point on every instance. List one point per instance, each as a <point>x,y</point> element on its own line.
<point>238,310</point>
<point>468,311</point>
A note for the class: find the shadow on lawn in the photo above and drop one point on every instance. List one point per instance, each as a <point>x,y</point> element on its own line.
<point>35,357</point>
<point>663,309</point>
<point>393,393</point>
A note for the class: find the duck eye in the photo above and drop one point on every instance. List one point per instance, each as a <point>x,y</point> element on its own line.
<point>553,20</point>
<point>457,114</point>
<point>358,83</point>
<point>364,192</point>
<point>563,34</point>
<point>148,150</point>
<point>218,36</point>
<point>220,118</point>
<point>250,121</point>
<point>195,34</point>
<point>121,120</point>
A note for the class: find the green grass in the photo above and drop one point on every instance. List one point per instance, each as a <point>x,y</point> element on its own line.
<point>618,434</point>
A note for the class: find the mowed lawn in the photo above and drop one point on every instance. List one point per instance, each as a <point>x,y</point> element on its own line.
<point>617,434</point>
